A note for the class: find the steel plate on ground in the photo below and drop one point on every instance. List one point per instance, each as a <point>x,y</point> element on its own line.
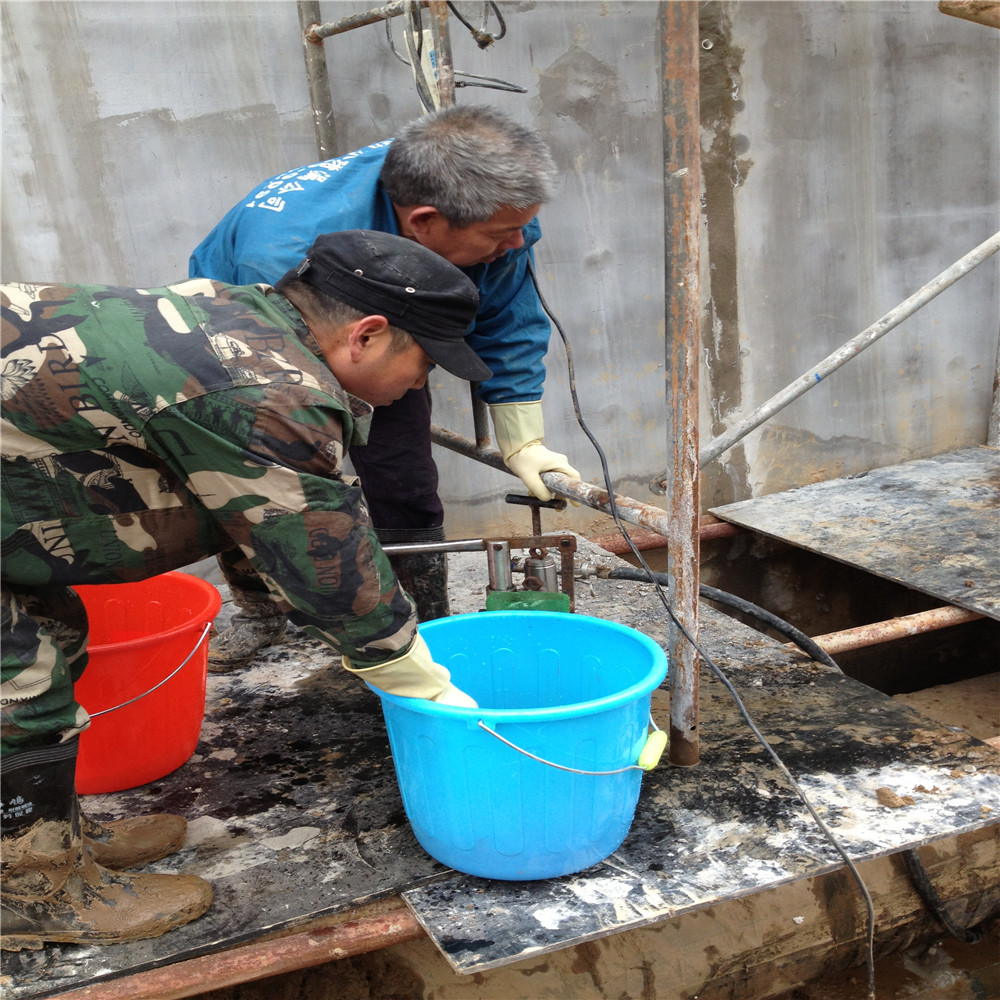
<point>930,524</point>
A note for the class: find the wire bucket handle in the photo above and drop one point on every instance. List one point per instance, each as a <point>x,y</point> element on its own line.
<point>649,756</point>
<point>173,673</point>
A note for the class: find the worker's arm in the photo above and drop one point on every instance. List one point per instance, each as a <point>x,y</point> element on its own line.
<point>511,334</point>
<point>309,537</point>
<point>413,675</point>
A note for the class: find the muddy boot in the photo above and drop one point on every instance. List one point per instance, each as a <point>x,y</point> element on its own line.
<point>128,843</point>
<point>52,889</point>
<point>253,628</point>
<point>423,575</point>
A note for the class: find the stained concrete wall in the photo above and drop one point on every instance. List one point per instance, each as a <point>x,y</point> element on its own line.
<point>850,154</point>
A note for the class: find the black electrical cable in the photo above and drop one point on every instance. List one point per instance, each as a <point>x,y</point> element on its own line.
<point>918,874</point>
<point>922,883</point>
<point>482,37</point>
<point>705,658</point>
<point>789,631</point>
<point>471,79</point>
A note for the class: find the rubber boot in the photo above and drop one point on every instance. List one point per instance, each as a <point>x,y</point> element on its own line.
<point>128,843</point>
<point>424,576</point>
<point>52,889</point>
<point>253,628</point>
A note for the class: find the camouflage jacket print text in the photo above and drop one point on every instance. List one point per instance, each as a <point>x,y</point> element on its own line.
<point>144,429</point>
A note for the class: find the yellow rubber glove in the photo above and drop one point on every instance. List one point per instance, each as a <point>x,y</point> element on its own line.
<point>413,675</point>
<point>519,429</point>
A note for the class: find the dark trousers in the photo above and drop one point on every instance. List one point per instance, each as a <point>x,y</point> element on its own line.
<point>397,472</point>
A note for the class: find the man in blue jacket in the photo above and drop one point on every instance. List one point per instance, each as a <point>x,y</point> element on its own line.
<point>467,183</point>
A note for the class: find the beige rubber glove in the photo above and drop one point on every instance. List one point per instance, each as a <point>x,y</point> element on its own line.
<point>413,675</point>
<point>519,429</point>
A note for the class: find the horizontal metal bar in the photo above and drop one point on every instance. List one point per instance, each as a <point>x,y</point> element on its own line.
<point>708,528</point>
<point>320,31</point>
<point>315,944</point>
<point>415,548</point>
<point>894,628</point>
<point>632,511</point>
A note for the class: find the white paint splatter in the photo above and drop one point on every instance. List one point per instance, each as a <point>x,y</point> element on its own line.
<point>294,838</point>
<point>550,917</point>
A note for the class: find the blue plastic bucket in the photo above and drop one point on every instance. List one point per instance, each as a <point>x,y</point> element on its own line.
<point>570,689</point>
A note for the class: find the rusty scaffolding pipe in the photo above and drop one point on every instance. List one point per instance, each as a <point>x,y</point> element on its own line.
<point>708,528</point>
<point>631,511</point>
<point>894,628</point>
<point>318,32</point>
<point>682,237</point>
<point>314,945</point>
<point>845,353</point>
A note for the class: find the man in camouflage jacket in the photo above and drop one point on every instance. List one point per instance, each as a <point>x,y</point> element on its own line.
<point>144,429</point>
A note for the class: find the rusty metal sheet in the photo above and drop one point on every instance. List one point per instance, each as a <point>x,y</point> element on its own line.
<point>931,525</point>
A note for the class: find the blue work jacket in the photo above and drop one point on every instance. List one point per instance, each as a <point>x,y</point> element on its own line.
<point>270,231</point>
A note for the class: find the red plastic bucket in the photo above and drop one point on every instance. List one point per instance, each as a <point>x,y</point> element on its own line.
<point>140,633</point>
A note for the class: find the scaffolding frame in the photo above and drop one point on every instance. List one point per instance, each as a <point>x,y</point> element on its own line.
<point>679,525</point>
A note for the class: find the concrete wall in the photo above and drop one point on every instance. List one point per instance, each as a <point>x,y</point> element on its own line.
<point>850,154</point>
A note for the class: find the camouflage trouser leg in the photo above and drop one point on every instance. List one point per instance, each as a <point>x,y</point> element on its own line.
<point>248,590</point>
<point>257,623</point>
<point>43,636</point>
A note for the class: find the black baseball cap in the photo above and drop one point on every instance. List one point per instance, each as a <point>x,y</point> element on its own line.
<point>414,288</point>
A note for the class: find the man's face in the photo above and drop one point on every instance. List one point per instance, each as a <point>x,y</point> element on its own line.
<point>382,375</point>
<point>481,242</point>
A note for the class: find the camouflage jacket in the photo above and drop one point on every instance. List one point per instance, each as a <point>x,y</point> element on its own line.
<point>144,429</point>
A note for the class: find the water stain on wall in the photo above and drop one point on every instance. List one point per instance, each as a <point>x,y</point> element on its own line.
<point>724,167</point>
<point>56,72</point>
<point>581,87</point>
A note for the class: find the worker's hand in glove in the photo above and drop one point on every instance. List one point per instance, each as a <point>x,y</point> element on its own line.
<point>452,695</point>
<point>413,675</point>
<point>519,430</point>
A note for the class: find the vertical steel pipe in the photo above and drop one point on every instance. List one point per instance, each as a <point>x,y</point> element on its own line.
<point>317,79</point>
<point>442,51</point>
<point>480,418</point>
<point>682,214</point>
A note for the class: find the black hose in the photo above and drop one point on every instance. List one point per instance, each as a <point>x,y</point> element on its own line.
<point>806,644</point>
<point>925,889</point>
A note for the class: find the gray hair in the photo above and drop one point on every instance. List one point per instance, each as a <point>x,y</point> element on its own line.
<point>468,163</point>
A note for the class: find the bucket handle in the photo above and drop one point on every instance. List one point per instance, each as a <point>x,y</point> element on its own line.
<point>649,757</point>
<point>173,673</point>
